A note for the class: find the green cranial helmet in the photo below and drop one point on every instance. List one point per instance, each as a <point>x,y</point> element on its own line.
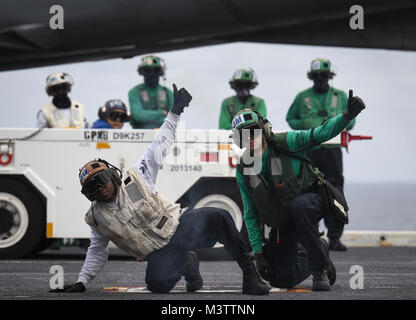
<point>244,75</point>
<point>152,62</point>
<point>246,119</point>
<point>320,65</point>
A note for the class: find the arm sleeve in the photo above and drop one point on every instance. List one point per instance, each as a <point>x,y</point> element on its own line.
<point>225,117</point>
<point>138,114</point>
<point>292,117</point>
<point>148,165</point>
<point>331,128</point>
<point>251,218</point>
<point>97,256</point>
<point>42,120</point>
<point>170,99</point>
<point>262,109</point>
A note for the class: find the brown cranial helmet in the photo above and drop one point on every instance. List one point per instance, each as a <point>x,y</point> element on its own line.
<point>97,173</point>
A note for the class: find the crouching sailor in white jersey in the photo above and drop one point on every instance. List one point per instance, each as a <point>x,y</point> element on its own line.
<point>143,223</point>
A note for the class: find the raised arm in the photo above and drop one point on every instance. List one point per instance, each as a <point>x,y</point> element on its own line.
<point>148,165</point>
<point>299,139</point>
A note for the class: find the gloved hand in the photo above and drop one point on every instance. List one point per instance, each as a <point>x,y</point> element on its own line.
<point>355,106</point>
<point>263,266</point>
<point>181,100</point>
<point>76,287</point>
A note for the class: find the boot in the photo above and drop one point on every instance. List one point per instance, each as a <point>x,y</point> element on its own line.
<point>252,283</point>
<point>192,276</point>
<point>325,278</point>
<point>336,245</point>
<point>320,281</point>
<point>330,268</point>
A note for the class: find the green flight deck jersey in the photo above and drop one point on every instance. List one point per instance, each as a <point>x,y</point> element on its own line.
<point>311,108</point>
<point>147,105</point>
<point>232,105</point>
<point>295,140</point>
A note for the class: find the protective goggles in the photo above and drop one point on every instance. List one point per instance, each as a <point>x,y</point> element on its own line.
<point>114,115</point>
<point>151,70</point>
<point>242,135</point>
<point>100,179</point>
<point>242,84</point>
<point>320,75</point>
<point>59,88</point>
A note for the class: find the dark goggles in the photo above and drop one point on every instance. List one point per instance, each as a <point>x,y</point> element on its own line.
<point>100,179</point>
<point>59,88</point>
<point>251,130</point>
<point>151,70</point>
<point>320,75</point>
<point>250,133</point>
<point>242,84</point>
<point>114,115</point>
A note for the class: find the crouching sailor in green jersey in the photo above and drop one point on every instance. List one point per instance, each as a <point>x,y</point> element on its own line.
<point>277,189</point>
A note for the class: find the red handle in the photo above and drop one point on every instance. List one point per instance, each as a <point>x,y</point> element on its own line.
<point>230,162</point>
<point>346,137</point>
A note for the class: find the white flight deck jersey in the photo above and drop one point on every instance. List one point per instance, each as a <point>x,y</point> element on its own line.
<point>52,117</point>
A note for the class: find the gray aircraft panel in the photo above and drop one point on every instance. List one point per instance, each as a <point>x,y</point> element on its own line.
<point>97,29</point>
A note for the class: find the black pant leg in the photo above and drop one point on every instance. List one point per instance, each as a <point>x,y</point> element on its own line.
<point>306,212</point>
<point>165,268</point>
<point>198,228</point>
<point>202,228</point>
<point>329,162</point>
<point>288,267</point>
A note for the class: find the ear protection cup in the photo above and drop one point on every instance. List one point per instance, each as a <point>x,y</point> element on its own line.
<point>102,113</point>
<point>267,128</point>
<point>128,115</point>
<point>266,125</point>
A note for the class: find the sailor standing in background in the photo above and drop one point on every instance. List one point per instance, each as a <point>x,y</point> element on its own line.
<point>310,109</point>
<point>149,101</point>
<point>242,82</point>
<point>61,112</point>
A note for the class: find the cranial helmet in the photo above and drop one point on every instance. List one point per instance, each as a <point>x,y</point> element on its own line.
<point>249,119</point>
<point>152,62</point>
<point>98,173</point>
<point>244,75</point>
<point>111,105</point>
<point>320,65</point>
<point>58,80</point>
